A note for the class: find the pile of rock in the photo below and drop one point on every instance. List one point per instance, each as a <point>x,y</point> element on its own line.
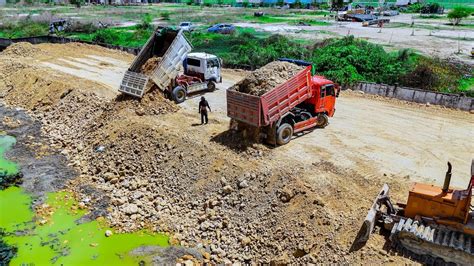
<point>267,77</point>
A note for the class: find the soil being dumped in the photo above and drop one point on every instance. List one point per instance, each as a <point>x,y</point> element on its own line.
<point>267,77</point>
<point>150,65</point>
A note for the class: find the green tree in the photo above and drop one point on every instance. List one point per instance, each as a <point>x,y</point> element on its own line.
<point>458,13</point>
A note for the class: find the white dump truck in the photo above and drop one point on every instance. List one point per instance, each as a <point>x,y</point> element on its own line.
<point>201,71</point>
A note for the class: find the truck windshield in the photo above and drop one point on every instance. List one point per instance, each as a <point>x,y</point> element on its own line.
<point>193,62</point>
<point>212,63</point>
<point>328,90</point>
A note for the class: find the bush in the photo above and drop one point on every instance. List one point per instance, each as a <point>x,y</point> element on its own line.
<point>35,30</point>
<point>104,36</point>
<point>165,15</point>
<point>414,8</point>
<point>77,3</point>
<point>25,28</point>
<point>256,53</point>
<point>432,8</point>
<point>349,60</point>
<point>83,27</point>
<point>458,13</point>
<point>146,22</point>
<point>437,74</point>
<point>142,34</point>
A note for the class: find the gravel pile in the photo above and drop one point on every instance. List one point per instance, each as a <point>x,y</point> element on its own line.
<point>267,77</point>
<point>145,175</point>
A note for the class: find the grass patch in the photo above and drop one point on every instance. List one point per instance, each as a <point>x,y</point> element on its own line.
<point>467,84</point>
<point>124,36</point>
<point>266,19</point>
<point>25,28</point>
<point>430,16</point>
<point>312,22</point>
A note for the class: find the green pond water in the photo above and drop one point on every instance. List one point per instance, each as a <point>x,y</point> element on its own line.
<point>6,167</point>
<point>61,240</point>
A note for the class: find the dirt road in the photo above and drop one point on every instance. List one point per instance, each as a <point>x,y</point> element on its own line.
<point>385,137</point>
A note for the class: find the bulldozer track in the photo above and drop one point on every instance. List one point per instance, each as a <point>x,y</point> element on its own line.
<point>433,245</point>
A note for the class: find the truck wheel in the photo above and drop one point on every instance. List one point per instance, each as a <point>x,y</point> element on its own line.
<point>323,121</point>
<point>211,86</point>
<point>284,134</point>
<point>179,94</point>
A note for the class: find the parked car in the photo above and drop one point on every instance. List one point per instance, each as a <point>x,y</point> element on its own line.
<point>186,26</point>
<point>222,28</point>
<point>390,13</point>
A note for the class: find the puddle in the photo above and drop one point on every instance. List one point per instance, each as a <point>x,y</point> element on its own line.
<point>60,240</point>
<point>51,235</point>
<point>7,167</point>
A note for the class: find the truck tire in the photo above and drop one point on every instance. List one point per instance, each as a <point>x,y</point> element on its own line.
<point>211,86</point>
<point>323,121</point>
<point>179,94</point>
<point>284,134</point>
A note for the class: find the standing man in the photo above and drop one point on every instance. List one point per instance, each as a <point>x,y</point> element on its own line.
<point>203,105</point>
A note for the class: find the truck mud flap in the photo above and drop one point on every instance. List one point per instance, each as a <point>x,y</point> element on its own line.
<point>133,84</point>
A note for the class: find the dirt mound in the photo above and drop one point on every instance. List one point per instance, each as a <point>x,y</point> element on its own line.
<point>150,65</point>
<point>22,49</point>
<point>267,77</point>
<point>207,197</point>
<point>34,87</point>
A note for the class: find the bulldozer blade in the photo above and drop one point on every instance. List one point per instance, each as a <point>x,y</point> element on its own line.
<point>369,222</point>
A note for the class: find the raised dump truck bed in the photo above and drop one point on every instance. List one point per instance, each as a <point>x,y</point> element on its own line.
<point>171,46</point>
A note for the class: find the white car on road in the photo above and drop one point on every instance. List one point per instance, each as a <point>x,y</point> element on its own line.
<point>186,26</point>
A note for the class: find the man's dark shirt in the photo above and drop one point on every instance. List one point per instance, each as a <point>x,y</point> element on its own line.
<point>203,105</point>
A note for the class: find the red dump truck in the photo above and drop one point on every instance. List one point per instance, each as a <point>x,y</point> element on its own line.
<point>302,103</point>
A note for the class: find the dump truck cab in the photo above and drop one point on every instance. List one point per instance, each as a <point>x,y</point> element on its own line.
<point>326,92</point>
<point>203,65</point>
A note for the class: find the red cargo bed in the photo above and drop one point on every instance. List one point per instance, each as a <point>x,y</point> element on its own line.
<point>268,108</point>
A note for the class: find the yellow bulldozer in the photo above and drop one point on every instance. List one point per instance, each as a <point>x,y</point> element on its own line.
<point>435,226</point>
